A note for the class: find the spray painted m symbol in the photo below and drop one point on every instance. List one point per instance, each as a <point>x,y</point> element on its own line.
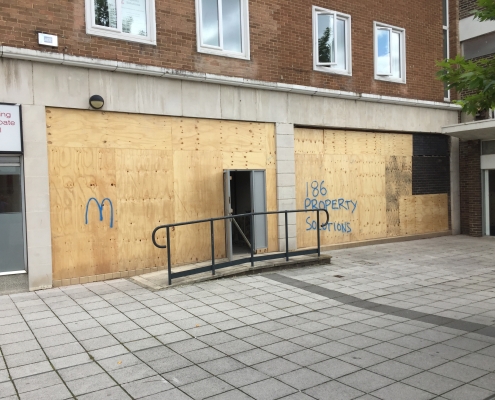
<point>100,209</point>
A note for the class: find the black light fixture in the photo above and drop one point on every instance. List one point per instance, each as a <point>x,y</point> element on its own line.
<point>96,101</point>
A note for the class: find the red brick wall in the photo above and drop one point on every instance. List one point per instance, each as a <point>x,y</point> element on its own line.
<point>470,187</point>
<point>466,8</point>
<point>280,37</point>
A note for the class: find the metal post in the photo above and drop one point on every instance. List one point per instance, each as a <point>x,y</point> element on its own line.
<point>318,229</point>
<point>286,237</point>
<point>169,258</point>
<point>212,248</point>
<point>252,240</point>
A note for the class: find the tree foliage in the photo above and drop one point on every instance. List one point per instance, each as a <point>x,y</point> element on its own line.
<point>476,78</point>
<point>325,47</point>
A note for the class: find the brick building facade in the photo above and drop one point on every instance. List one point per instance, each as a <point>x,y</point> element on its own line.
<point>355,115</point>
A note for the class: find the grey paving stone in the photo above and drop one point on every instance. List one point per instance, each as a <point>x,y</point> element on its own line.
<point>460,372</point>
<point>221,365</point>
<point>306,357</point>
<point>119,362</point>
<point>478,361</point>
<point>303,378</point>
<point>147,386</point>
<point>365,381</point>
<point>217,338</point>
<point>186,375</point>
<point>402,391</point>
<point>168,364</point>
<point>30,369</point>
<point>421,360</point>
<point>333,390</point>
<point>234,347</point>
<point>20,347</point>
<point>68,349</point>
<point>36,382</point>
<point>90,384</point>
<point>130,336</point>
<point>362,358</point>
<point>4,375</point>
<point>469,392</point>
<point>444,351</point>
<point>395,370</point>
<point>82,324</point>
<point>388,350</point>
<point>433,383</point>
<point>467,344</point>
<point>203,355</point>
<point>334,349</point>
<point>231,395</point>
<point>298,396</point>
<point>334,368</point>
<point>57,392</point>
<point>486,382</point>
<point>7,389</point>
<point>132,373</point>
<point>283,348</point>
<point>254,356</point>
<point>162,329</point>
<point>187,345</point>
<point>99,343</point>
<point>91,333</point>
<point>244,331</point>
<point>243,377</point>
<point>108,352</point>
<point>112,393</point>
<point>29,357</point>
<point>269,389</point>
<point>80,371</point>
<point>142,344</point>
<point>154,353</point>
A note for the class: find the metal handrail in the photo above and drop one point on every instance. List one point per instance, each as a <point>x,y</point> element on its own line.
<point>252,258</point>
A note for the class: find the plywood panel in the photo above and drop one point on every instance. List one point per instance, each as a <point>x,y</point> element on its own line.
<point>398,177</point>
<point>76,177</point>
<point>155,170</point>
<point>199,194</point>
<point>424,214</point>
<point>100,129</point>
<point>145,200</point>
<point>369,172</point>
<point>308,141</point>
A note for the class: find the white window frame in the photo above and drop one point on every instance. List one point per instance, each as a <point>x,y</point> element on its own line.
<point>402,32</point>
<point>116,33</point>
<point>218,50</point>
<point>330,68</point>
<point>446,32</point>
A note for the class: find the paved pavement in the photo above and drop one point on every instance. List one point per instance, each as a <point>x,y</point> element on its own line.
<point>412,320</point>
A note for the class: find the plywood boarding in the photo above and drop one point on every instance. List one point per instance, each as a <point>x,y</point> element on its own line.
<point>367,186</point>
<point>155,170</point>
<point>424,214</point>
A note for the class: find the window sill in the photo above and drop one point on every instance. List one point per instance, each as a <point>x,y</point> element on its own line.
<point>391,80</point>
<point>331,71</point>
<point>240,56</point>
<point>121,36</point>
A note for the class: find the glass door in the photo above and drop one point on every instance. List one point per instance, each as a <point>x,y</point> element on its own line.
<point>12,248</point>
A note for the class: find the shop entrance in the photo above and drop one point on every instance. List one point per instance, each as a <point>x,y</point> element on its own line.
<point>489,202</point>
<point>12,249</point>
<point>245,192</point>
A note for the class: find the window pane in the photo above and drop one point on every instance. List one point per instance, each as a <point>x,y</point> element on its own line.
<point>341,44</point>
<point>383,52</point>
<point>11,220</point>
<point>395,51</point>
<point>445,44</point>
<point>488,147</point>
<point>209,28</point>
<point>106,13</point>
<point>325,39</point>
<point>134,17</point>
<point>232,29</point>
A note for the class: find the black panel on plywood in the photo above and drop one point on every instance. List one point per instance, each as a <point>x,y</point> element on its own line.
<point>430,175</point>
<point>430,145</point>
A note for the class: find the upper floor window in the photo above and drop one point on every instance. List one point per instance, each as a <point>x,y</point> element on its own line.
<point>390,53</point>
<point>331,41</point>
<point>132,20</point>
<point>223,27</point>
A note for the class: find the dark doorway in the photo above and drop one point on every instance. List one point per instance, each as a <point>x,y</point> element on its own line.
<point>241,203</point>
<point>491,200</point>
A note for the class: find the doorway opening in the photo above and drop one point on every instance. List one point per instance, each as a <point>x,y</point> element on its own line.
<point>12,232</point>
<point>245,192</point>
<point>489,201</point>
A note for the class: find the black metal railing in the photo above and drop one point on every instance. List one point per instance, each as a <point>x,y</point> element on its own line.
<point>252,257</point>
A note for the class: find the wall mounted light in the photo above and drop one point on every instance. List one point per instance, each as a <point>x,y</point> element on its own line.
<point>96,101</point>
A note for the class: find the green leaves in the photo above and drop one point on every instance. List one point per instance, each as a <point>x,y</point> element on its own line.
<point>486,11</point>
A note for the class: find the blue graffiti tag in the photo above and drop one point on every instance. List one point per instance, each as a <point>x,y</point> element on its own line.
<point>316,193</point>
<point>100,209</point>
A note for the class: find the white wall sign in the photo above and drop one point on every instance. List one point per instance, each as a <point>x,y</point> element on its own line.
<point>10,128</point>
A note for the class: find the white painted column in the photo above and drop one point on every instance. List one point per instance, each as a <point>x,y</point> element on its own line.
<point>37,197</point>
<point>455,194</point>
<point>286,182</point>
